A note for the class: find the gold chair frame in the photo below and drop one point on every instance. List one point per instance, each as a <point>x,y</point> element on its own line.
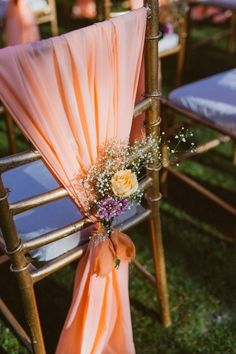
<point>13,247</point>
<point>230,33</point>
<point>180,21</point>
<point>51,17</point>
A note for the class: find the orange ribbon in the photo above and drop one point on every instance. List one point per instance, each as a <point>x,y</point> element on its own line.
<point>106,251</point>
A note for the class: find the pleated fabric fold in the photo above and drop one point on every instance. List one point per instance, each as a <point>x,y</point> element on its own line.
<point>69,95</point>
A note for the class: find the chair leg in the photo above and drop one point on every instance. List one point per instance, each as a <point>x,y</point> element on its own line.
<point>164,183</point>
<point>106,4</point>
<point>181,54</point>
<point>54,28</point>
<point>14,324</point>
<point>158,254</point>
<point>234,152</point>
<point>30,309</point>
<point>165,157</point>
<point>231,38</point>
<point>11,134</point>
<point>21,268</point>
<point>54,24</point>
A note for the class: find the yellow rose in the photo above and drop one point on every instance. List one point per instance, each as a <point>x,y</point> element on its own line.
<point>124,183</point>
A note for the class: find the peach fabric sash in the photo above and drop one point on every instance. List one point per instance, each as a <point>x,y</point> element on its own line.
<point>20,23</point>
<point>69,95</point>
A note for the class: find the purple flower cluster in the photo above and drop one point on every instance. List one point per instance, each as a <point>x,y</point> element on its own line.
<point>109,208</point>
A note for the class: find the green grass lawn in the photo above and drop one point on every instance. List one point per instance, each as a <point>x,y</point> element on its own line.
<point>200,268</point>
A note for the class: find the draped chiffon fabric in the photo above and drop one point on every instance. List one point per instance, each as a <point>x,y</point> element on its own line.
<point>20,24</point>
<point>69,95</point>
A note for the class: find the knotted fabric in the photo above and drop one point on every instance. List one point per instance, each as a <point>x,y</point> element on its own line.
<point>69,95</point>
<point>20,24</point>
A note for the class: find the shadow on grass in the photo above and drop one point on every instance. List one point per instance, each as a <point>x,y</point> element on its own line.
<point>198,206</point>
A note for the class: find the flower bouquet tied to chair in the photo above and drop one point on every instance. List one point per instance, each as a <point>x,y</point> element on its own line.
<point>110,188</point>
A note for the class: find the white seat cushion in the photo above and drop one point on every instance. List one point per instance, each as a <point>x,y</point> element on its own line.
<point>33,179</point>
<point>39,7</point>
<point>116,14</point>
<point>213,98</point>
<point>168,42</point>
<point>28,181</point>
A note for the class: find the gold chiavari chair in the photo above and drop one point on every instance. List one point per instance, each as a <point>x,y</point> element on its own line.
<point>228,32</point>
<point>175,43</point>
<point>209,102</point>
<point>45,12</point>
<point>18,249</point>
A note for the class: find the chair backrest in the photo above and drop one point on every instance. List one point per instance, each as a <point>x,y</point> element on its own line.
<point>27,273</point>
<point>45,12</point>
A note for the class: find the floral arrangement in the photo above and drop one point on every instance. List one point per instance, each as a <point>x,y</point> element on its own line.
<point>111,184</point>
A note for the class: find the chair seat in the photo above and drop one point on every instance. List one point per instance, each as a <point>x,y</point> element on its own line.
<point>39,7</point>
<point>213,99</point>
<point>118,13</point>
<point>226,4</point>
<point>168,42</point>
<point>30,180</point>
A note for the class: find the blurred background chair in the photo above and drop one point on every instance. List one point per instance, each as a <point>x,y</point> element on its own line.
<point>173,25</point>
<point>220,13</point>
<point>210,102</point>
<point>44,12</point>
<point>173,18</point>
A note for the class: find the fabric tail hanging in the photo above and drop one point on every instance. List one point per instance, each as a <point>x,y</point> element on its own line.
<point>69,95</point>
<point>20,24</point>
